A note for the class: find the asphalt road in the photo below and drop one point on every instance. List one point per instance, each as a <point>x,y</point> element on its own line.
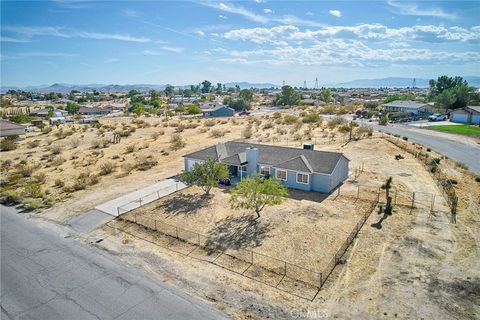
<point>462,152</point>
<point>47,276</point>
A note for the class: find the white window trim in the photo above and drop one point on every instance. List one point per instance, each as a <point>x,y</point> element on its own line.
<point>243,168</point>
<point>305,174</point>
<point>264,167</point>
<point>286,174</point>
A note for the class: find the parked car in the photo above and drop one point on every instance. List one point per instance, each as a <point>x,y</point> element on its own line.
<point>437,117</point>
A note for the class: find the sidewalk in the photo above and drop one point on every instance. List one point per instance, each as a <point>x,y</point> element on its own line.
<point>140,197</point>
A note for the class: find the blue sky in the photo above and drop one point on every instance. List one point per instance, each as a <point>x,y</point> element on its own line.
<point>184,42</point>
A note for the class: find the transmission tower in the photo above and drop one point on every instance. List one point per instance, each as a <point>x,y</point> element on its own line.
<point>305,84</point>
<point>414,83</point>
<point>316,83</point>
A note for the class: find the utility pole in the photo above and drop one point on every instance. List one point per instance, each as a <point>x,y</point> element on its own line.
<point>316,83</point>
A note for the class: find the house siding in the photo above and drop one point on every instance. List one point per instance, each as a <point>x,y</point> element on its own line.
<point>339,174</point>
<point>320,183</point>
<point>475,119</point>
<point>460,117</point>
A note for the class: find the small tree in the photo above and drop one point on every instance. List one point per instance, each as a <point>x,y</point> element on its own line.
<point>256,192</point>
<point>387,186</point>
<point>205,175</point>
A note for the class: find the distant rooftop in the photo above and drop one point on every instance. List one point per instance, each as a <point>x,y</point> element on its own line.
<point>406,104</point>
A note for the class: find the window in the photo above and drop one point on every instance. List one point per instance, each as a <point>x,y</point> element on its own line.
<point>265,171</point>
<point>282,175</point>
<point>302,178</point>
<point>243,168</point>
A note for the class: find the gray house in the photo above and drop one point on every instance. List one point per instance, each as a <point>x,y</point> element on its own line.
<point>218,111</point>
<point>408,106</point>
<point>305,169</point>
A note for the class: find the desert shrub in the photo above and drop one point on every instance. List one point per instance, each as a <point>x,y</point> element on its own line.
<point>405,138</point>
<point>93,179</point>
<point>217,133</point>
<point>311,118</point>
<point>106,168</point>
<point>477,178</point>
<point>209,123</point>
<point>58,161</point>
<point>40,177</point>
<point>25,170</point>
<point>344,128</point>
<point>435,161</point>
<point>32,190</point>
<point>155,135</point>
<point>59,183</point>
<point>47,130</point>
<point>33,144</point>
<point>180,128</point>
<point>33,204</point>
<point>289,119</point>
<point>8,143</point>
<point>297,137</point>
<point>144,163</point>
<point>79,184</point>
<point>247,132</point>
<point>56,149</point>
<point>127,168</point>
<point>203,130</point>
<point>267,126</point>
<point>5,165</point>
<point>10,197</point>
<point>277,115</point>
<point>191,125</point>
<point>176,142</point>
<point>462,166</point>
<point>100,143</point>
<point>130,148</point>
<point>124,133</point>
<point>74,143</point>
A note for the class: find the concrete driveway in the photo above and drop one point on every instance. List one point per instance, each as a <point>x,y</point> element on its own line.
<point>148,194</point>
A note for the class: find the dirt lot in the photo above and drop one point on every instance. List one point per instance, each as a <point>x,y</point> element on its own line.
<point>304,230</point>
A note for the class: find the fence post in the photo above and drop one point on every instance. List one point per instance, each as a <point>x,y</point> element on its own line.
<point>176,232</point>
<point>158,194</point>
<point>155,222</point>
<point>378,195</point>
<point>358,192</point>
<point>198,236</point>
<point>432,203</point>
<point>251,252</point>
<point>135,217</point>
<point>118,211</point>
<point>396,191</point>
<point>285,268</point>
<point>413,199</point>
<point>176,186</point>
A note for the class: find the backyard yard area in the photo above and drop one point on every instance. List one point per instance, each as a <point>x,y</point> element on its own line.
<point>463,129</point>
<point>306,230</point>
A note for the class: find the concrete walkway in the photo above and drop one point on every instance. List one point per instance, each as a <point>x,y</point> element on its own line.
<point>140,197</point>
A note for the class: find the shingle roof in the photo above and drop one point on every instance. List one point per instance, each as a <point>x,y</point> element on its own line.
<point>475,108</point>
<point>283,157</point>
<point>7,125</point>
<point>405,104</point>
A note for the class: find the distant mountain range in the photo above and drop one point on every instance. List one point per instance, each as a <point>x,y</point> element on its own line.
<point>395,82</point>
<point>65,88</point>
<point>392,82</point>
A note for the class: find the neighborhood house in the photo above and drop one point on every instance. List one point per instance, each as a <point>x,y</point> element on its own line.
<point>8,128</point>
<point>305,169</point>
<point>408,106</point>
<point>468,115</point>
<point>218,111</point>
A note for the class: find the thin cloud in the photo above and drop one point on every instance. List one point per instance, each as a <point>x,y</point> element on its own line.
<point>111,60</point>
<point>172,49</point>
<point>15,40</point>
<point>250,15</point>
<point>34,31</point>
<point>130,13</point>
<point>152,53</point>
<point>48,54</point>
<point>267,11</point>
<point>336,13</point>
<point>412,9</point>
